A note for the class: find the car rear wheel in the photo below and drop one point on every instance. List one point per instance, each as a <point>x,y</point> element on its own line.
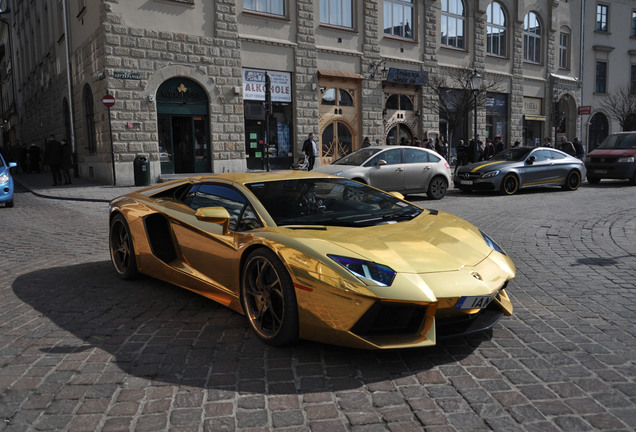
<point>268,297</point>
<point>437,188</point>
<point>572,181</point>
<point>122,251</point>
<point>510,184</point>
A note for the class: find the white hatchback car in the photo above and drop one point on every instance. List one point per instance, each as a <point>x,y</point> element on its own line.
<point>408,170</point>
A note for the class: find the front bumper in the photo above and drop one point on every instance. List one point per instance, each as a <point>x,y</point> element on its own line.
<point>616,170</point>
<point>6,192</point>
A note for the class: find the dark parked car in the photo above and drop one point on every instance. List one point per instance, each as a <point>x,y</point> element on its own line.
<point>613,159</point>
<point>522,167</point>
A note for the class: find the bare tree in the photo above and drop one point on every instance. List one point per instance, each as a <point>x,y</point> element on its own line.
<point>452,93</point>
<point>621,106</point>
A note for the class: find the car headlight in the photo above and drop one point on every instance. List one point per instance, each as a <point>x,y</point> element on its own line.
<point>490,242</point>
<point>626,159</point>
<point>379,274</point>
<point>490,174</point>
<point>4,178</point>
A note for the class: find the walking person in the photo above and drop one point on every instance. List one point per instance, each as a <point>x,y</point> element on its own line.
<point>53,158</point>
<point>67,161</point>
<point>579,149</point>
<point>310,149</point>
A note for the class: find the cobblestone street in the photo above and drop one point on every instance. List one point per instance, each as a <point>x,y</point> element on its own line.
<point>82,350</point>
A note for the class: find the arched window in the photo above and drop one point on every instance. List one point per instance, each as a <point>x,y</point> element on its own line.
<point>400,133</point>
<point>496,30</point>
<point>399,102</point>
<point>336,97</point>
<point>89,115</point>
<point>531,38</point>
<point>453,24</point>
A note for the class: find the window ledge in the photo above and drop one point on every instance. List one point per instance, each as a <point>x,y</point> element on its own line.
<point>265,15</point>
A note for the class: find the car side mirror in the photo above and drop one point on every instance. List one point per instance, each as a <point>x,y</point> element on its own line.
<point>380,163</point>
<point>216,215</point>
<point>531,160</point>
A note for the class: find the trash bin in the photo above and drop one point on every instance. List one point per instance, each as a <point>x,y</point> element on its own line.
<point>141,171</point>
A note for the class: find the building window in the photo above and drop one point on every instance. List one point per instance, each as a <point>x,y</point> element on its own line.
<point>564,51</point>
<point>601,17</point>
<point>496,30</point>
<point>632,81</point>
<point>89,111</point>
<point>634,23</point>
<point>398,18</point>
<point>532,38</point>
<point>453,23</point>
<point>337,12</point>
<point>399,102</point>
<point>601,77</point>
<point>274,7</point>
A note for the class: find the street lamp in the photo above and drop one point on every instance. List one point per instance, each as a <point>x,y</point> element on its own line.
<point>476,81</point>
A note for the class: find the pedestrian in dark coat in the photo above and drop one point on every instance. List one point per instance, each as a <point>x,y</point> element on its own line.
<point>311,149</point>
<point>67,161</point>
<point>53,158</point>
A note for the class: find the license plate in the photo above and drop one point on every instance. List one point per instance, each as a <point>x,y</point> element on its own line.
<point>600,171</point>
<point>466,182</point>
<point>473,302</point>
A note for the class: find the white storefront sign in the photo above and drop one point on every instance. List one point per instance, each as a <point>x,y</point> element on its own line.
<point>254,85</point>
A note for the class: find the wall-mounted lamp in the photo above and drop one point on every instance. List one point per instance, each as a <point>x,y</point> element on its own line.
<point>375,67</point>
<point>418,113</point>
<point>101,75</point>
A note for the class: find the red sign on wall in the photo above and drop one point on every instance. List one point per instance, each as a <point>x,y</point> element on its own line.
<point>585,109</point>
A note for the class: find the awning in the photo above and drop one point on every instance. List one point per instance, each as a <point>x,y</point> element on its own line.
<point>534,118</point>
<point>339,74</point>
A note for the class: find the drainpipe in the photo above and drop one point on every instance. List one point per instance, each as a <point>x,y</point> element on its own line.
<point>582,72</point>
<point>71,108</point>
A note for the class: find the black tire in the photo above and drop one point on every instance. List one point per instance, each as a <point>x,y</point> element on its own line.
<point>437,188</point>
<point>9,204</point>
<point>593,180</point>
<point>572,181</point>
<point>510,184</point>
<point>269,299</point>
<point>122,251</point>
<point>632,181</point>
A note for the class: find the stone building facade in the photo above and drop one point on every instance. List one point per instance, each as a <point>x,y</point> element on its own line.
<point>188,78</point>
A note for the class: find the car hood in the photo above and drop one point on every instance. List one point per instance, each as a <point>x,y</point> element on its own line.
<point>333,169</point>
<point>436,242</point>
<point>612,153</point>
<point>485,166</point>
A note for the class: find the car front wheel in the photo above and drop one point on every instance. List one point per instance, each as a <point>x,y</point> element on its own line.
<point>510,184</point>
<point>122,252</point>
<point>268,297</point>
<point>437,188</point>
<point>572,181</point>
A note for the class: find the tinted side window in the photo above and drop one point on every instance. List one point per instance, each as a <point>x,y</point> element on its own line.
<point>220,195</point>
<point>412,155</point>
<point>392,157</point>
<point>557,155</point>
<point>541,155</point>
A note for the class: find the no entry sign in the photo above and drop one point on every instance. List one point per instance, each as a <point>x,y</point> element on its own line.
<point>108,100</point>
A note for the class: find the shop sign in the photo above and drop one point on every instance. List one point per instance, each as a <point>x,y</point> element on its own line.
<point>585,109</point>
<point>532,106</point>
<point>254,85</point>
<point>405,76</point>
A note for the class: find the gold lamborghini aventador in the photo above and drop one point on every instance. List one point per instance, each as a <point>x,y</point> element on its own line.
<point>318,257</point>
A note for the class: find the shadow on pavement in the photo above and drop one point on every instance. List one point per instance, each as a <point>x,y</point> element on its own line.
<point>163,333</point>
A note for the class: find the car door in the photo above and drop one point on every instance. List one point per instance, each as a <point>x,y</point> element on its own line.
<point>561,165</point>
<point>390,176</point>
<point>207,252</point>
<point>537,168</point>
<point>418,169</point>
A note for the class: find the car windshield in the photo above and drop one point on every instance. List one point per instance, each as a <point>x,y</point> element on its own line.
<point>513,154</point>
<point>358,157</point>
<point>334,202</point>
<point>622,141</point>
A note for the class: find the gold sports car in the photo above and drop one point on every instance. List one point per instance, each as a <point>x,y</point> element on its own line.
<point>312,256</point>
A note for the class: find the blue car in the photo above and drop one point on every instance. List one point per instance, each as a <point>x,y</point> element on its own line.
<point>6,183</point>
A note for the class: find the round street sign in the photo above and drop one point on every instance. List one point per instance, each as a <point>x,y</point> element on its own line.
<point>108,100</point>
